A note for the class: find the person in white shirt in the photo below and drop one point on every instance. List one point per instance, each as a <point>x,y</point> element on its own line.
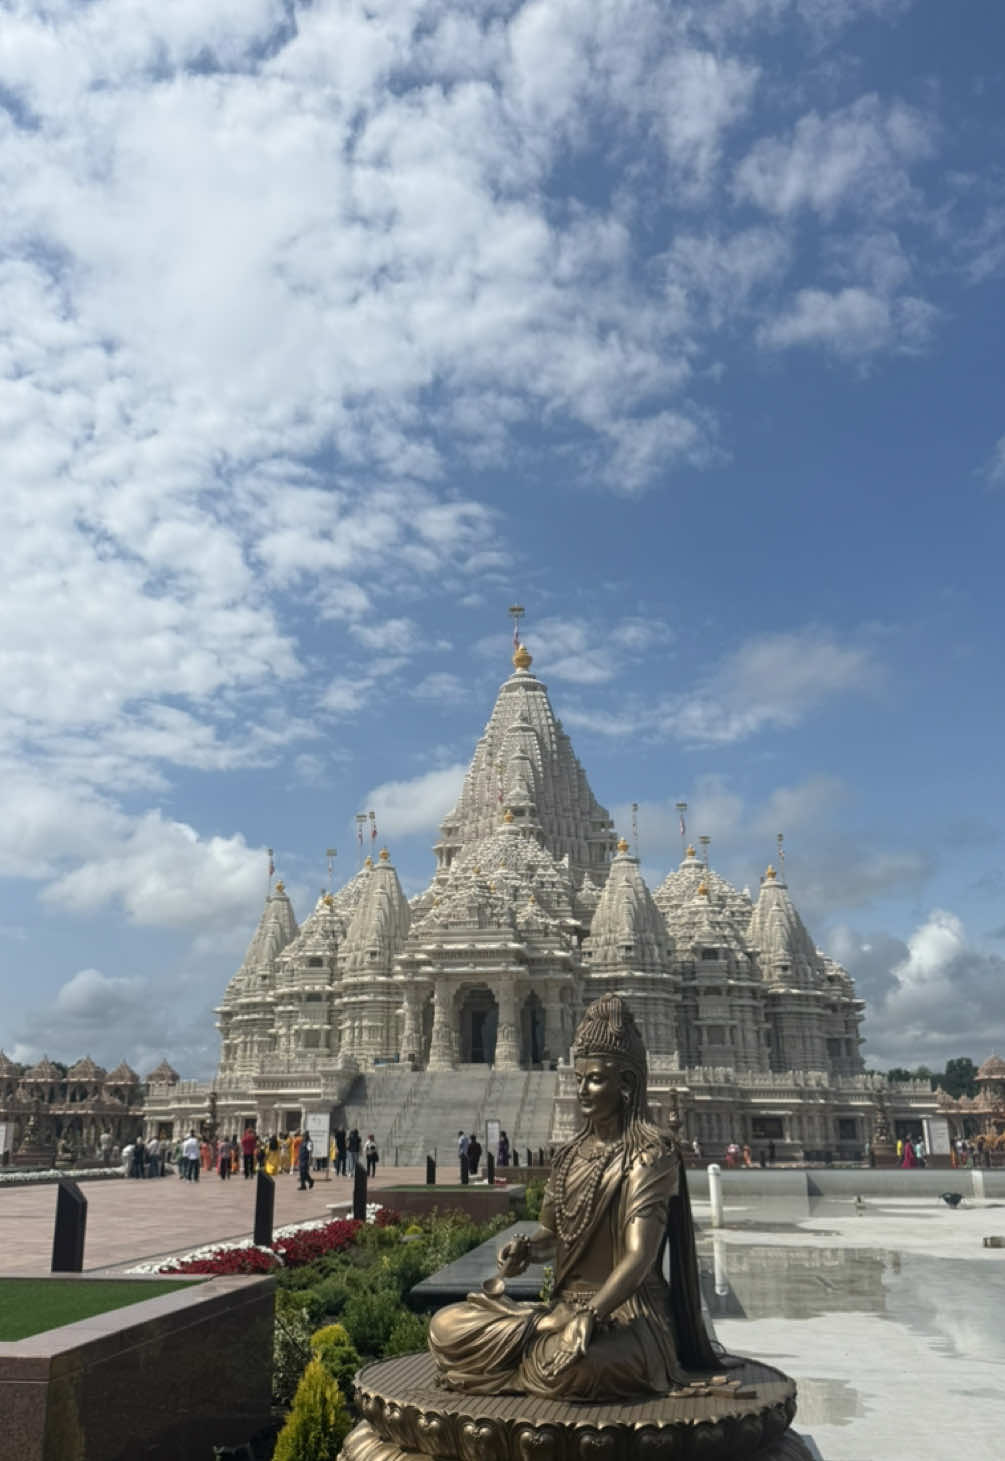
<point>190,1156</point>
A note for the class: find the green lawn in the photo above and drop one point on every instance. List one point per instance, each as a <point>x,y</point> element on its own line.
<point>32,1305</point>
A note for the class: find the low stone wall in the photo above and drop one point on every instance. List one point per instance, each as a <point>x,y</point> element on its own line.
<point>479,1202</point>
<point>167,1377</point>
<point>841,1183</point>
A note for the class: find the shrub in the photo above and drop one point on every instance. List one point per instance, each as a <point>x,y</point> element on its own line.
<point>533,1196</point>
<point>291,1345</point>
<point>336,1351</point>
<point>318,1422</point>
<point>408,1333</point>
<point>369,1318</point>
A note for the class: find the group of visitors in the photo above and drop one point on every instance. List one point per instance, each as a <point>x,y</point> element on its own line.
<point>968,1153</point>
<point>143,1158</point>
<point>470,1147</point>
<point>911,1151</point>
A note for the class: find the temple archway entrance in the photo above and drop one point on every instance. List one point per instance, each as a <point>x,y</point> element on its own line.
<point>532,1031</point>
<point>479,1023</point>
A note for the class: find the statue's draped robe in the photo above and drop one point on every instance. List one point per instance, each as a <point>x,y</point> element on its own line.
<point>491,1345</point>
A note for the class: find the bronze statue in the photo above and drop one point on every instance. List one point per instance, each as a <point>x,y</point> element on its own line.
<point>616,1200</point>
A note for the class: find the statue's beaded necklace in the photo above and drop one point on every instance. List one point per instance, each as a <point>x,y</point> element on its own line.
<point>574,1215</point>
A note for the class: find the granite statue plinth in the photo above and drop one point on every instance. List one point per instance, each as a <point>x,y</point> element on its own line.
<point>408,1414</point>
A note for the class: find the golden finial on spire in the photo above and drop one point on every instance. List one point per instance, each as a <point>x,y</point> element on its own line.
<point>702,890</point>
<point>522,658</point>
<point>690,851</point>
<point>280,886</point>
<point>507,816</point>
<point>384,855</point>
<point>769,874</point>
<point>368,861</point>
<point>329,900</point>
<point>622,845</point>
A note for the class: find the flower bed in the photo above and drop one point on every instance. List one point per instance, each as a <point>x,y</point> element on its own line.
<point>56,1174</point>
<point>292,1247</point>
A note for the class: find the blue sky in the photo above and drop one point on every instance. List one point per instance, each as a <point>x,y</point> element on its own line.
<point>328,331</point>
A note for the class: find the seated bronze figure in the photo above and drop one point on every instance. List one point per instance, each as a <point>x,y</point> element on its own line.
<point>615,1202</point>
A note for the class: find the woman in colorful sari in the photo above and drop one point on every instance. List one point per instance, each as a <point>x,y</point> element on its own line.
<point>908,1159</point>
<point>615,1201</point>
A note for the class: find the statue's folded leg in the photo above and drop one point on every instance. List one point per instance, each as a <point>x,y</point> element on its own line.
<point>478,1344</point>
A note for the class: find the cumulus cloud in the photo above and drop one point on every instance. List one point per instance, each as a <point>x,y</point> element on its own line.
<point>930,998</point>
<point>417,805</point>
<point>857,157</point>
<point>588,651</point>
<point>772,681</point>
<point>854,321</point>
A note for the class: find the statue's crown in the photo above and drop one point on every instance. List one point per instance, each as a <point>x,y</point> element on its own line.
<point>609,1029</point>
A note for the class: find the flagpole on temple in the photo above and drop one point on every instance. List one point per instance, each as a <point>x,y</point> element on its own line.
<point>360,824</point>
<point>704,848</point>
<point>516,613</point>
<point>781,854</point>
<point>681,813</point>
<point>635,828</point>
<point>272,869</point>
<point>331,853</point>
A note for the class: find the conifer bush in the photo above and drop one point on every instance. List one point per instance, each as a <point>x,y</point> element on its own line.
<point>336,1351</point>
<point>318,1422</point>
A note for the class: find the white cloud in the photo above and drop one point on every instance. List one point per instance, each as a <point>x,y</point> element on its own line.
<point>587,651</point>
<point>416,805</point>
<point>163,874</point>
<point>853,322</point>
<point>442,687</point>
<point>929,999</point>
<point>995,468</point>
<point>857,157</point>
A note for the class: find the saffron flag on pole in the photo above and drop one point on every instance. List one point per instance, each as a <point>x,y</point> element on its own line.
<point>683,826</point>
<point>272,865</point>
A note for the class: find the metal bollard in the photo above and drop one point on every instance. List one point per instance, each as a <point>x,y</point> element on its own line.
<point>715,1193</point>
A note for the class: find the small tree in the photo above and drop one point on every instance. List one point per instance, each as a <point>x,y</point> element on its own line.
<point>336,1351</point>
<point>319,1421</point>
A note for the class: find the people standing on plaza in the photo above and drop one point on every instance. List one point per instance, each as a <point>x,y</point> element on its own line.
<point>696,1148</point>
<point>304,1154</point>
<point>732,1153</point>
<point>748,1160</point>
<point>249,1144</point>
<point>190,1157</point>
<point>206,1154</point>
<point>340,1151</point>
<point>285,1153</point>
<point>474,1154</point>
<point>353,1144</point>
<point>771,1153</point>
<point>502,1150</point>
<point>223,1158</point>
<point>900,1148</point>
<point>138,1165</point>
<point>908,1159</point>
<point>372,1155</point>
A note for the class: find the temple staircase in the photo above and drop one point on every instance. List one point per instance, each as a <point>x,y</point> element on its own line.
<point>413,1114</point>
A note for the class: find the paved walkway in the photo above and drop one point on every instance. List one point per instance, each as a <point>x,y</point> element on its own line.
<point>136,1221</point>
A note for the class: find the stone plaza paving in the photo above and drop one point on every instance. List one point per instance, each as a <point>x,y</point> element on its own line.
<point>136,1221</point>
<point>889,1314</point>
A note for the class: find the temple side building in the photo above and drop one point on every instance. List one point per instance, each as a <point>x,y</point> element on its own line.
<point>385,1006</point>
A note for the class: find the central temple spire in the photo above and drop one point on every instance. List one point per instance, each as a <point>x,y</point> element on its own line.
<point>524,762</point>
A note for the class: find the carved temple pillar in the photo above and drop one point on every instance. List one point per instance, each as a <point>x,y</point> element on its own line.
<point>441,1045</point>
<point>508,1036</point>
<point>553,1045</point>
<point>411,1029</point>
